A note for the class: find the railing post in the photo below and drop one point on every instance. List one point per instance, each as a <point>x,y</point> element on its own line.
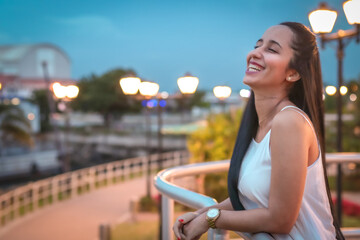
<point>110,173</point>
<point>74,185</point>
<point>92,179</point>
<point>167,211</point>
<point>105,232</point>
<point>34,196</point>
<point>54,190</point>
<point>218,234</point>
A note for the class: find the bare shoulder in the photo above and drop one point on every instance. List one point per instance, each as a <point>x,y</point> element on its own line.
<point>290,140</point>
<point>289,123</point>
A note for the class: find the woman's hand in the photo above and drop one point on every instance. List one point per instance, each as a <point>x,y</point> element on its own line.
<point>197,227</point>
<point>181,221</point>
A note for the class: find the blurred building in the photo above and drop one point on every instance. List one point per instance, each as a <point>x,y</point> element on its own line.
<point>22,72</point>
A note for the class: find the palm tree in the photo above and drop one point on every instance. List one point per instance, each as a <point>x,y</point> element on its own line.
<point>14,126</point>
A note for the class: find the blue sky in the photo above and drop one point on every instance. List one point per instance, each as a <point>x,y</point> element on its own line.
<point>161,40</point>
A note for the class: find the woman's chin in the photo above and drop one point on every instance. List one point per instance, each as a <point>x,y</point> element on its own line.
<point>248,81</point>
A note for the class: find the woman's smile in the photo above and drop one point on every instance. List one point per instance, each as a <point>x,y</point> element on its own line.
<point>254,67</point>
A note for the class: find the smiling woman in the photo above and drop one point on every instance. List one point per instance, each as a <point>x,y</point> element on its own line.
<point>277,178</point>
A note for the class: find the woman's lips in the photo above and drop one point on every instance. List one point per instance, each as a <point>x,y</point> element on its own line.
<point>254,68</point>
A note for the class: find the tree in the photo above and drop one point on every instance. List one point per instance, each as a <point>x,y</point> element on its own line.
<point>350,129</point>
<point>354,88</point>
<point>14,126</point>
<point>103,94</point>
<point>194,100</point>
<point>214,142</point>
<point>217,139</point>
<point>39,98</point>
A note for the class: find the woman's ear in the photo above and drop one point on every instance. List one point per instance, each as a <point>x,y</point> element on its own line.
<point>293,76</point>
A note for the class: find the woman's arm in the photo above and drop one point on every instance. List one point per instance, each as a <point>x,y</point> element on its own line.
<point>290,141</point>
<point>188,217</point>
<point>224,205</point>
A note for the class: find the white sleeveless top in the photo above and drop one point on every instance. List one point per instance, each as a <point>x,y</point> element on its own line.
<point>314,220</point>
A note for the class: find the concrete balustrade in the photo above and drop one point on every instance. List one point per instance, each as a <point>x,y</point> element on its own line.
<point>29,198</point>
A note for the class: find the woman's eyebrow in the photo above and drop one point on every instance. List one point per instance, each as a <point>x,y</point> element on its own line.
<point>275,42</point>
<point>271,41</point>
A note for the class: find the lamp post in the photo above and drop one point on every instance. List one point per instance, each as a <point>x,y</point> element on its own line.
<point>65,94</point>
<point>222,93</point>
<point>322,21</point>
<point>187,85</point>
<point>131,86</point>
<point>148,90</point>
<point>161,103</point>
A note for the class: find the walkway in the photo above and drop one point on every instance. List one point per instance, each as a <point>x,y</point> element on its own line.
<point>78,218</point>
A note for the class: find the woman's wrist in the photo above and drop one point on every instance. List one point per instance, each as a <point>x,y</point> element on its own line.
<point>201,210</point>
<point>204,221</point>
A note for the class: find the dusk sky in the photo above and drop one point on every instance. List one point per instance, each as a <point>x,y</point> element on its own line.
<point>162,40</point>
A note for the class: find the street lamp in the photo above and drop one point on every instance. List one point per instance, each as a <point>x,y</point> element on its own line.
<point>245,93</point>
<point>131,85</point>
<point>187,85</point>
<point>331,90</point>
<point>222,93</point>
<point>322,22</point>
<point>65,94</point>
<point>148,90</point>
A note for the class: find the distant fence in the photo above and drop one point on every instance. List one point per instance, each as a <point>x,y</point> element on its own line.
<point>21,165</point>
<point>27,199</point>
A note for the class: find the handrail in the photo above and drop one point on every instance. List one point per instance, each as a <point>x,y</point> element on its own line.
<point>26,199</point>
<point>162,181</point>
<point>192,199</point>
<point>188,198</point>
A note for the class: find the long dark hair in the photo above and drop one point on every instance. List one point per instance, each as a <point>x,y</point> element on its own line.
<point>305,93</point>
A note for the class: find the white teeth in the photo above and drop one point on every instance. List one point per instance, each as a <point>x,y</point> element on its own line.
<point>253,68</point>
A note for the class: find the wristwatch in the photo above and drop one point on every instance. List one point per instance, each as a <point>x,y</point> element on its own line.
<point>212,215</point>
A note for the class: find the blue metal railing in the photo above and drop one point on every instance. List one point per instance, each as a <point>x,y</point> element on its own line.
<point>171,192</point>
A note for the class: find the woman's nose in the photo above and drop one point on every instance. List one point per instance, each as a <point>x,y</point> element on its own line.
<point>256,52</point>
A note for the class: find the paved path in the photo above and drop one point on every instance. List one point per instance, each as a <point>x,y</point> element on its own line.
<point>78,218</point>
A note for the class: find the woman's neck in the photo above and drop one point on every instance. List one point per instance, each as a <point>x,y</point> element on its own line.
<point>268,106</point>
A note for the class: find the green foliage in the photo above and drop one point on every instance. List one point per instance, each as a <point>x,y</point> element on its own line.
<point>14,126</point>
<point>39,98</point>
<point>216,186</point>
<point>354,88</point>
<point>216,141</point>
<point>144,230</point>
<point>330,104</point>
<point>350,182</point>
<point>147,204</point>
<point>350,129</point>
<point>102,94</point>
<point>197,100</point>
<point>212,143</point>
<point>350,137</point>
<point>349,221</point>
<point>194,100</point>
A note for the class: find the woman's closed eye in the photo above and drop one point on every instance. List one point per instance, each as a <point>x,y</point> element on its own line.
<point>272,50</point>
<point>269,49</point>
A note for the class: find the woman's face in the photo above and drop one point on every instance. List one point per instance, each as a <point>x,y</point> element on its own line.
<point>267,64</point>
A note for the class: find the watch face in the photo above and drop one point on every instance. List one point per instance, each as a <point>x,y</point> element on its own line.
<point>213,212</point>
